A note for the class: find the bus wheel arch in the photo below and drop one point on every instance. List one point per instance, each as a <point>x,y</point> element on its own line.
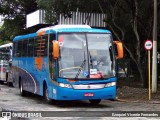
<point>45,93</point>
<point>22,92</point>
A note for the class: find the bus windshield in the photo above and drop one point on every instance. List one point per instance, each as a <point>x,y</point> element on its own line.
<point>86,55</point>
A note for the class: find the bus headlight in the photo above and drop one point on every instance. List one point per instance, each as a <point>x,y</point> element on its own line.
<point>110,84</point>
<point>65,85</point>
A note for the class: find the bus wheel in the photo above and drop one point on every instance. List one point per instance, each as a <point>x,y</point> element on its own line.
<point>1,82</point>
<point>95,102</point>
<point>22,92</point>
<point>46,96</point>
<point>10,84</point>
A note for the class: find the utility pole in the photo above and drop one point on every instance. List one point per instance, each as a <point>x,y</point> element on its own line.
<point>154,60</point>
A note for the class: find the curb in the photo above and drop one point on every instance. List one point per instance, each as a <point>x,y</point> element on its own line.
<point>124,100</point>
<point>154,102</point>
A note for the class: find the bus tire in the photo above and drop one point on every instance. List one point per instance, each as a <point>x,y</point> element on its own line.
<point>46,96</point>
<point>10,84</point>
<point>1,82</point>
<point>22,92</point>
<point>7,77</point>
<point>95,102</point>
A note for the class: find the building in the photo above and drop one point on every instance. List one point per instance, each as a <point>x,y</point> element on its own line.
<point>76,17</point>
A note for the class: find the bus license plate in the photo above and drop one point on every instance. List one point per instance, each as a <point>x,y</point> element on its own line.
<point>88,94</point>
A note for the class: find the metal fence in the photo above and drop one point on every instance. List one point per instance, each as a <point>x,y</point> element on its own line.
<point>92,19</point>
<point>128,74</point>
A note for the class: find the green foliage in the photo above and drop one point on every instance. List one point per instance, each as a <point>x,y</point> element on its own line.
<point>130,20</point>
<point>54,7</point>
<point>4,42</point>
<point>12,27</point>
<point>15,12</point>
<point>120,13</point>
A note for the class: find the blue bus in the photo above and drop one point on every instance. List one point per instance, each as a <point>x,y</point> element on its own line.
<point>66,62</point>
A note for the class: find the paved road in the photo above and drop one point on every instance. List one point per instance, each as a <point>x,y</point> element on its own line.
<point>10,100</point>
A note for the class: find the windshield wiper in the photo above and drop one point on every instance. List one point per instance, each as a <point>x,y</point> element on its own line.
<point>79,70</point>
<point>111,53</point>
<point>91,60</point>
<point>111,56</point>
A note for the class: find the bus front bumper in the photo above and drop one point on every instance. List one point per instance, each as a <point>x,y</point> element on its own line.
<point>62,93</point>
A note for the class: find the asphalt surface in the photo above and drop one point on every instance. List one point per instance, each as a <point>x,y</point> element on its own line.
<point>32,107</point>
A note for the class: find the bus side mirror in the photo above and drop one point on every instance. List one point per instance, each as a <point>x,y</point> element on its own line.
<point>55,51</point>
<point>119,49</point>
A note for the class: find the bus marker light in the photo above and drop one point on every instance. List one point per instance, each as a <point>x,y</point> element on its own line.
<point>110,84</point>
<point>3,69</point>
<point>40,33</point>
<point>65,85</point>
<point>54,91</point>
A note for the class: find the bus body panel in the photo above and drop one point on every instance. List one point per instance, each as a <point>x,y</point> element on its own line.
<point>71,94</point>
<point>34,72</point>
<point>61,93</point>
<point>24,69</point>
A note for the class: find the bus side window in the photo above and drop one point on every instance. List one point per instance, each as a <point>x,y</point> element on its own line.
<point>30,46</point>
<point>17,49</point>
<point>41,46</point>
<point>24,50</point>
<point>52,62</point>
<point>19,52</point>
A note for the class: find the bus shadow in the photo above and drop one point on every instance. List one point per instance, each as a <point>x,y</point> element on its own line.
<point>66,104</point>
<point>80,104</point>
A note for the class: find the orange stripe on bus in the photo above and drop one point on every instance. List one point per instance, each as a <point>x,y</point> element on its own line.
<point>41,33</point>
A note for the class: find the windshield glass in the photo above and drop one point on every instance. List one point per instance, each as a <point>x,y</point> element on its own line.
<point>85,55</point>
<point>100,55</point>
<point>73,55</point>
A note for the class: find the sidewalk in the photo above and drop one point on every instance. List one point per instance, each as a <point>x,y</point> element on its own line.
<point>131,94</point>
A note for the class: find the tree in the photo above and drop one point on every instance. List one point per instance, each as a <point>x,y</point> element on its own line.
<point>125,20</point>
<point>55,7</point>
<point>15,12</point>
<point>129,20</point>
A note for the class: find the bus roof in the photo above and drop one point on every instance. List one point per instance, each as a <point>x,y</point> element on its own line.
<point>25,36</point>
<point>62,28</point>
<point>6,45</point>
